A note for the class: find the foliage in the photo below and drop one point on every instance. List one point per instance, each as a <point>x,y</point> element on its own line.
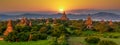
<point>53,41</point>
<point>40,30</point>
<point>106,42</point>
<point>77,32</point>
<point>115,35</point>
<point>11,37</point>
<point>92,39</point>
<point>62,40</point>
<point>101,27</point>
<point>22,36</point>
<point>88,33</point>
<point>2,29</point>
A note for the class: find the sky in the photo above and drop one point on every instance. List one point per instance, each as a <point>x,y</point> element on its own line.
<point>55,5</point>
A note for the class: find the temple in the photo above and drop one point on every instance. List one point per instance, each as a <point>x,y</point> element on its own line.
<point>30,23</point>
<point>64,16</point>
<point>47,21</point>
<point>9,28</point>
<point>89,22</point>
<point>24,22</point>
<point>102,21</point>
<point>110,23</point>
<point>54,21</point>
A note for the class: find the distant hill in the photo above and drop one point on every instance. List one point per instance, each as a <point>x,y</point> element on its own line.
<point>96,16</point>
<point>106,15</point>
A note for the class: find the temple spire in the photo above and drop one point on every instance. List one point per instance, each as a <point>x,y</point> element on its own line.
<point>64,16</point>
<point>9,28</point>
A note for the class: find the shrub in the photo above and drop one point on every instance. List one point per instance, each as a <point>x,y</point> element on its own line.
<point>88,33</point>
<point>62,40</point>
<point>92,40</point>
<point>43,36</point>
<point>23,36</point>
<point>35,37</point>
<point>53,41</point>
<point>114,36</point>
<point>11,37</point>
<point>106,42</point>
<point>77,32</point>
<point>17,37</point>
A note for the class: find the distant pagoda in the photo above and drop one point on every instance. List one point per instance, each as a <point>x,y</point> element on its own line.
<point>110,23</point>
<point>30,23</point>
<point>64,16</point>
<point>9,28</point>
<point>88,22</point>
<point>24,21</point>
<point>47,21</point>
<point>102,21</point>
<point>54,21</point>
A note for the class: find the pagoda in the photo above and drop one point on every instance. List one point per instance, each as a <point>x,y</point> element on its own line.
<point>54,21</point>
<point>102,21</point>
<point>9,28</point>
<point>30,23</point>
<point>64,16</point>
<point>24,21</point>
<point>47,21</point>
<point>88,22</point>
<point>110,23</point>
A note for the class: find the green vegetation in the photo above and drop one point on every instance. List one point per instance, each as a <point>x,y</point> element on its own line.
<point>71,32</point>
<point>81,40</point>
<point>91,40</point>
<point>106,42</point>
<point>40,42</point>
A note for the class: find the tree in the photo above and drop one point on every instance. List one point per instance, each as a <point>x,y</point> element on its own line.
<point>101,27</point>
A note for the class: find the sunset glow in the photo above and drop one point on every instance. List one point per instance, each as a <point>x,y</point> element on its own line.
<point>53,5</point>
<point>61,10</point>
